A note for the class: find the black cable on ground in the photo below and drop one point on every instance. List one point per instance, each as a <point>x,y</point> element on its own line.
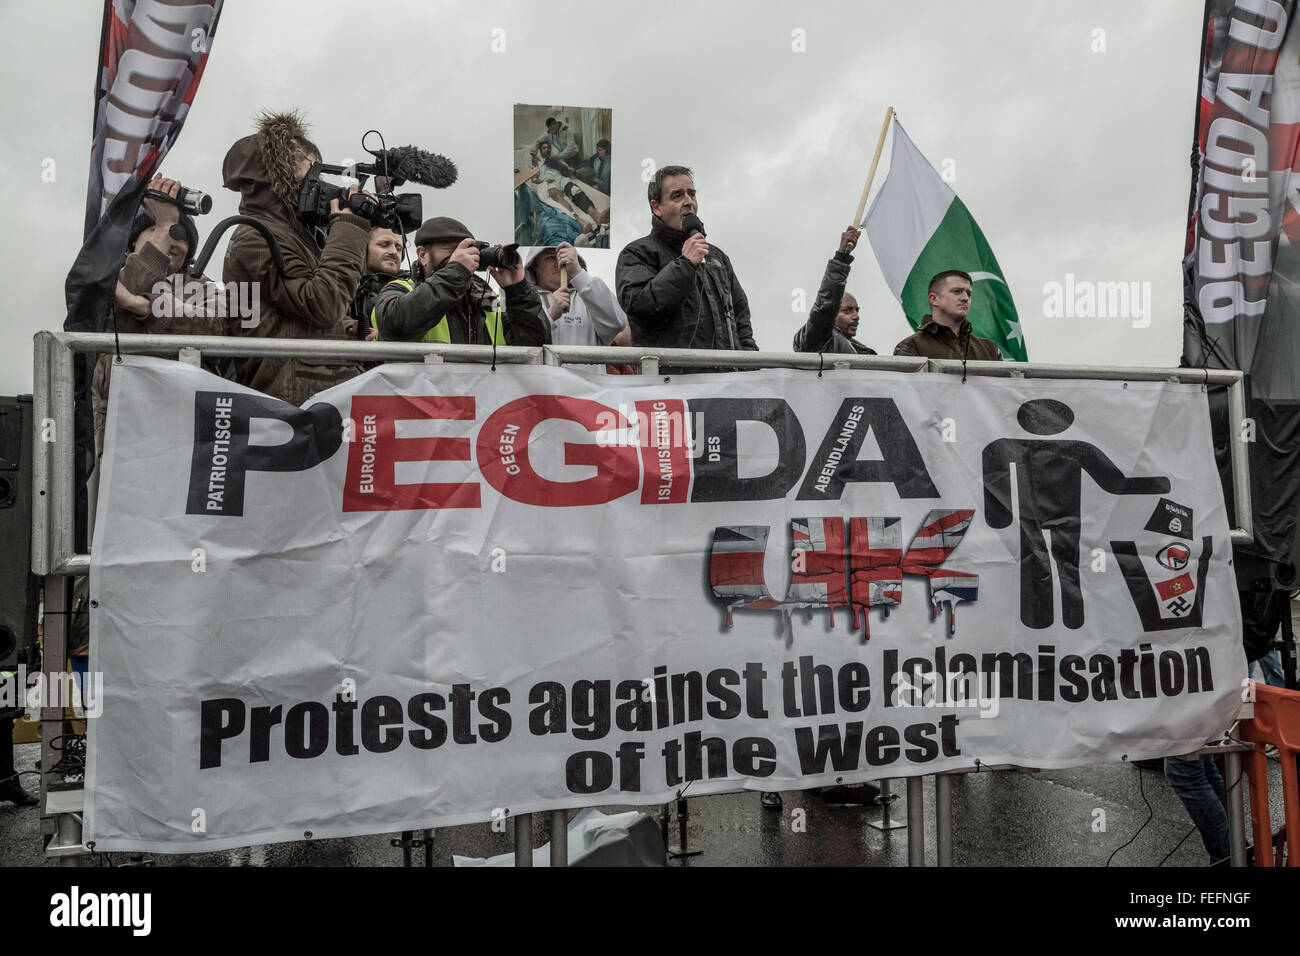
<point>1177,845</point>
<point>1150,814</point>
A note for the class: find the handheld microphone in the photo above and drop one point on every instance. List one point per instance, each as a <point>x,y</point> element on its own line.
<point>691,224</point>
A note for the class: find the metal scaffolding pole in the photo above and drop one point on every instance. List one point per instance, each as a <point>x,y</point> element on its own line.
<point>916,821</point>
<point>52,473</point>
<point>885,802</point>
<point>559,838</point>
<point>943,817</point>
<point>1234,787</point>
<point>524,840</point>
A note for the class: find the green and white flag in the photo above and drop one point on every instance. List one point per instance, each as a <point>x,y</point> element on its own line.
<point>918,227</point>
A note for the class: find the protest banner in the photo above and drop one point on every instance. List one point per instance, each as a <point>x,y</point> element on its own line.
<point>443,594</point>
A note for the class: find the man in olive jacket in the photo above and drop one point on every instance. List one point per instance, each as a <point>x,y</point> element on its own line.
<point>946,332</point>
<point>321,276</point>
<point>680,291</point>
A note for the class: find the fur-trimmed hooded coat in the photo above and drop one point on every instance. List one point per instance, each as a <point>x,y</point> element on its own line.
<point>312,298</point>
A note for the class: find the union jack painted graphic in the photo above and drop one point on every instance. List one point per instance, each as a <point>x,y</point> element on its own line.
<point>940,534</point>
<point>875,567</point>
<point>829,570</point>
<point>817,565</point>
<point>736,569</point>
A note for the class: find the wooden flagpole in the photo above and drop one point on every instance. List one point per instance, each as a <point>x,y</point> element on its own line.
<point>871,173</point>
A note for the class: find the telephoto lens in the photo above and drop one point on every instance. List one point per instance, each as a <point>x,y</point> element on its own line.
<point>502,257</point>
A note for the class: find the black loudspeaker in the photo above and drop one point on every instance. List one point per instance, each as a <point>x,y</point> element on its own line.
<point>18,586</point>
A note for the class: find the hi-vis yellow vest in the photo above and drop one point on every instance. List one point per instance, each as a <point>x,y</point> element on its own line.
<point>440,333</point>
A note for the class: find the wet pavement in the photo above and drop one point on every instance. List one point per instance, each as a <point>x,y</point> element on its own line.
<point>1076,817</point>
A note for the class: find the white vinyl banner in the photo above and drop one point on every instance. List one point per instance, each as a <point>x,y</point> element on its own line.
<point>441,594</point>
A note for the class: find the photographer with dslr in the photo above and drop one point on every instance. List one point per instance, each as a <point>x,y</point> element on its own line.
<point>323,260</point>
<point>444,301</point>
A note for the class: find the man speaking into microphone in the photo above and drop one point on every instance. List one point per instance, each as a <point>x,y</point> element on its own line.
<point>678,290</point>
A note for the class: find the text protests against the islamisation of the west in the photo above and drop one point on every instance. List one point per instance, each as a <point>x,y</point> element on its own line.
<point>447,591</point>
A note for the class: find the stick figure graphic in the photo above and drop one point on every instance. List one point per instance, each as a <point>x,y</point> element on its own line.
<point>1049,488</point>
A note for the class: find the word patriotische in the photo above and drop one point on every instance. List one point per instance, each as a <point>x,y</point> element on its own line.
<point>858,570</point>
<point>659,463</point>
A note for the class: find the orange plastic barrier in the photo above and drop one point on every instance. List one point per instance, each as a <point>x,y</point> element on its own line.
<point>1276,722</point>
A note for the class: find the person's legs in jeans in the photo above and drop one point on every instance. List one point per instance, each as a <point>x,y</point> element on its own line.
<point>1271,665</point>
<point>79,666</point>
<point>1199,785</point>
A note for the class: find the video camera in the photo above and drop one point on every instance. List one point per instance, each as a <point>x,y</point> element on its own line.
<point>400,212</point>
<point>192,201</point>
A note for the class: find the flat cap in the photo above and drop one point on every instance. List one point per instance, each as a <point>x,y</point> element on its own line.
<point>439,228</point>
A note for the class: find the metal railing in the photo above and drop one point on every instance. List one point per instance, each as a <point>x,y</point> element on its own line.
<point>53,466</point>
<point>53,473</point>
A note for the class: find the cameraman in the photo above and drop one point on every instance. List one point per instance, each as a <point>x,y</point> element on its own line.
<point>152,294</point>
<point>444,301</point>
<point>322,262</point>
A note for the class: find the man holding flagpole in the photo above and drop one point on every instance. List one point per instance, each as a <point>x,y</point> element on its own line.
<point>834,318</point>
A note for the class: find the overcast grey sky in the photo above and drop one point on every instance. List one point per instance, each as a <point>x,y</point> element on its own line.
<point>1068,126</point>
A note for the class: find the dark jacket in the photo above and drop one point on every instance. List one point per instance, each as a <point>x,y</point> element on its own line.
<point>455,292</point>
<point>672,303</point>
<point>819,333</point>
<point>372,283</point>
<point>175,310</point>
<point>320,280</point>
<point>937,341</point>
